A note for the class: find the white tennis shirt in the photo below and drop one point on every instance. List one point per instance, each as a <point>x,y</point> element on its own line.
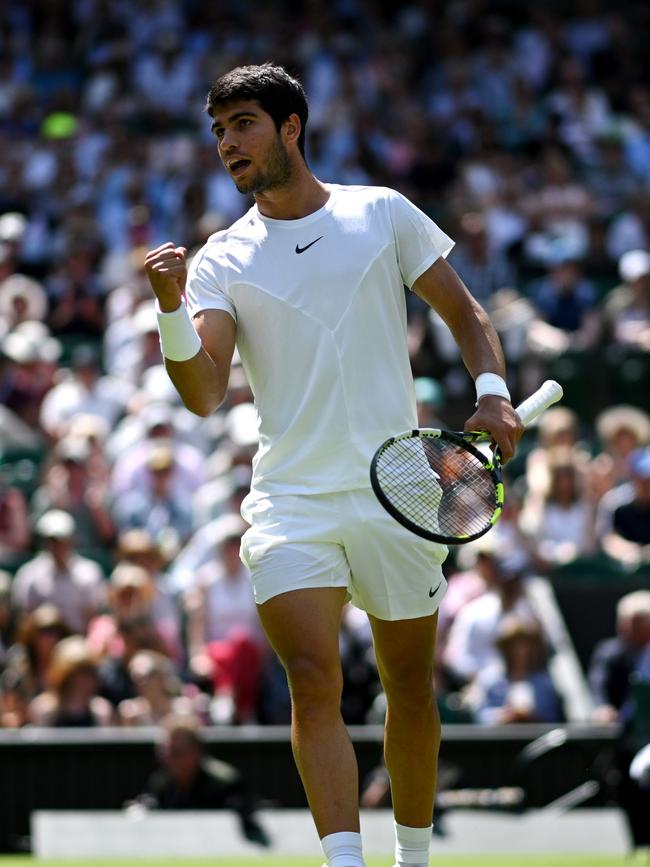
<point>321,330</point>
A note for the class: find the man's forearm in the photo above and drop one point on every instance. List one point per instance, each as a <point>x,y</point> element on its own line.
<point>198,381</point>
<point>479,344</point>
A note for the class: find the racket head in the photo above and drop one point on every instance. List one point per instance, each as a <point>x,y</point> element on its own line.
<point>438,485</point>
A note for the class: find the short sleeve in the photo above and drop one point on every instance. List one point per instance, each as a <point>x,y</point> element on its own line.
<point>202,289</point>
<point>419,240</point>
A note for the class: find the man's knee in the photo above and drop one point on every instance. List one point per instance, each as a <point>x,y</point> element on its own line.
<point>315,685</point>
<point>408,684</point>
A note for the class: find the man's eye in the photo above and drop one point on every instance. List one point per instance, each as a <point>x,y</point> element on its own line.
<point>219,133</point>
<point>244,122</point>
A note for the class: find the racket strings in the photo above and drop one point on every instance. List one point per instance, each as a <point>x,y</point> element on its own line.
<point>437,485</point>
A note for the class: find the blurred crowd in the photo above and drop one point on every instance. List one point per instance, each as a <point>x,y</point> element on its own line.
<point>523,129</point>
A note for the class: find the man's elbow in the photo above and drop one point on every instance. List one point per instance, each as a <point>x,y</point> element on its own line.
<point>204,405</point>
<point>202,410</point>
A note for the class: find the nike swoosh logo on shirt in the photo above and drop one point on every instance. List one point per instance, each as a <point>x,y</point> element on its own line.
<point>302,249</point>
<point>433,592</point>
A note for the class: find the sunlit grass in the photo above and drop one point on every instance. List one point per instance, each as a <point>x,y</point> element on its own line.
<point>288,861</point>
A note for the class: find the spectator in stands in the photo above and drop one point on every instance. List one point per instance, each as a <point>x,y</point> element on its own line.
<point>143,350</point>
<point>471,643</point>
<point>483,269</point>
<point>137,436</point>
<point>24,381</point>
<point>14,520</point>
<point>560,525</point>
<point>472,577</point>
<point>229,480</point>
<point>627,308</point>
<point>188,779</point>
<point>558,428</point>
<point>130,614</point>
<point>157,508</point>
<point>519,688</point>
<point>224,632</point>
<point>614,659</point>
<point>558,208</point>
<point>139,548</point>
<point>621,430</point>
<point>83,391</point>
<point>568,305</point>
<point>477,564</point>
<point>361,683</point>
<point>158,691</point>
<point>21,300</point>
<point>28,661</point>
<point>76,291</point>
<point>582,110</point>
<point>71,484</point>
<point>72,698</point>
<point>609,176</point>
<point>628,539</point>
<point>60,575</point>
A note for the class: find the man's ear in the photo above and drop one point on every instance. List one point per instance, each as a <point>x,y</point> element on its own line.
<point>291,129</point>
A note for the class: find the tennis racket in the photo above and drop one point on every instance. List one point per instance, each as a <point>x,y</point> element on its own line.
<point>437,484</point>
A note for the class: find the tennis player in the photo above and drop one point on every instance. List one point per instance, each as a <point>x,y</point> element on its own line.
<point>309,285</point>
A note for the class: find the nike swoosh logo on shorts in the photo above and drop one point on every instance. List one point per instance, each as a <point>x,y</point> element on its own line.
<point>432,593</point>
<point>302,249</point>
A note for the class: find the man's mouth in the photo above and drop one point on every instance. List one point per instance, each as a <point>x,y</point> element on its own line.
<point>237,166</point>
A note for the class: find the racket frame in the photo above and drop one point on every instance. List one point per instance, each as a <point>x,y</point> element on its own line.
<point>465,441</point>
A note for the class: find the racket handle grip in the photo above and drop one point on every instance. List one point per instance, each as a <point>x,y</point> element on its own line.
<point>549,393</point>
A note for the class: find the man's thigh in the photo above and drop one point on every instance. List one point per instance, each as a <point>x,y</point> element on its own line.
<point>293,544</point>
<point>395,575</point>
<point>303,628</point>
<point>404,650</point>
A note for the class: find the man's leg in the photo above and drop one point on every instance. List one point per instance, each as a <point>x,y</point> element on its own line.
<point>404,651</point>
<point>303,629</point>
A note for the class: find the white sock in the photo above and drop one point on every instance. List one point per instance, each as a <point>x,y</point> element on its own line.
<point>343,849</point>
<point>412,846</point>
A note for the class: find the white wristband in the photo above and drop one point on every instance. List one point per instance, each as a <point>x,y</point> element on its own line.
<point>178,339</point>
<point>491,383</point>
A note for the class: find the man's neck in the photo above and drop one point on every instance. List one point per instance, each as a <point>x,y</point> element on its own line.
<point>301,196</point>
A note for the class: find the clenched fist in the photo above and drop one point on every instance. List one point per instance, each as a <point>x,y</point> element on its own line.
<point>167,272</point>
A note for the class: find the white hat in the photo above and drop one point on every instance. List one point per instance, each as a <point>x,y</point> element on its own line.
<point>12,226</point>
<point>634,264</point>
<point>20,349</point>
<point>23,347</point>
<point>242,424</point>
<point>144,319</point>
<point>32,293</point>
<point>56,524</point>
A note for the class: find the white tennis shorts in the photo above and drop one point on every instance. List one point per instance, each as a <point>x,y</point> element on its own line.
<point>342,540</point>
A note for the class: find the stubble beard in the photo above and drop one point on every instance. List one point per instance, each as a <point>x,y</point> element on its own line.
<point>276,173</point>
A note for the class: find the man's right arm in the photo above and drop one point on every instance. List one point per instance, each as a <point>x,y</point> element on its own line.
<point>201,380</point>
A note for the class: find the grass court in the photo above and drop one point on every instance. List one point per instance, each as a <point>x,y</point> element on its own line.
<point>287,861</point>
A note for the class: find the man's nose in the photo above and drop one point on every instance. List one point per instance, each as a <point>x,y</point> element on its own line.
<point>228,142</point>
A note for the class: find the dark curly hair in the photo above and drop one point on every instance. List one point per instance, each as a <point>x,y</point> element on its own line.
<point>277,92</point>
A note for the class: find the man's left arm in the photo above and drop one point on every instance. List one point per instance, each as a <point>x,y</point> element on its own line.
<point>480,348</point>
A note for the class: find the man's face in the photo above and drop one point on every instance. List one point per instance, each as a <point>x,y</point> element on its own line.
<point>181,757</point>
<point>639,631</point>
<point>61,549</point>
<point>565,276</point>
<point>250,147</point>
